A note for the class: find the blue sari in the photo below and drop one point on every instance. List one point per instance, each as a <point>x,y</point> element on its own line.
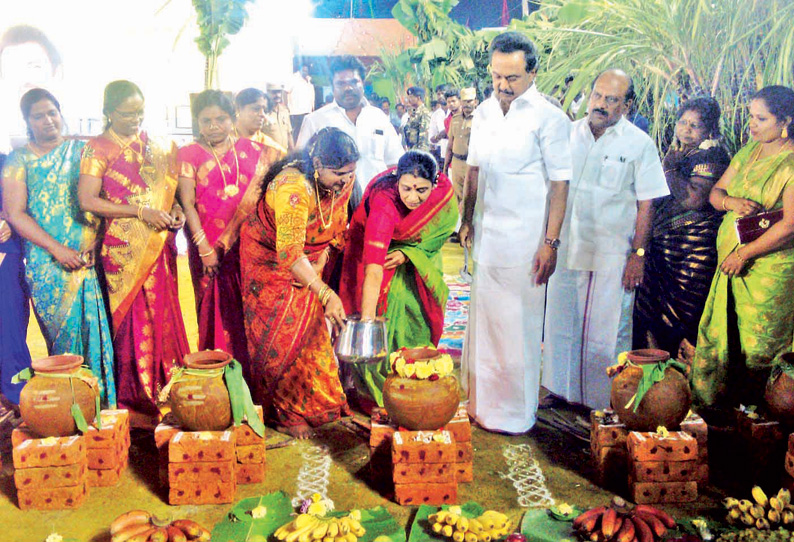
<point>14,314</point>
<point>69,305</point>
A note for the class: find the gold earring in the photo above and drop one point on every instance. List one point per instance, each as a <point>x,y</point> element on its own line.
<point>784,133</point>
<point>316,176</point>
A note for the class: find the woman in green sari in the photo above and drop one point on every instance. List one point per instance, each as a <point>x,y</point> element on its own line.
<point>392,265</point>
<point>748,320</point>
<point>40,198</point>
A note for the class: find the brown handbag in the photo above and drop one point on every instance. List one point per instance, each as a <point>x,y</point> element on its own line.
<point>750,228</point>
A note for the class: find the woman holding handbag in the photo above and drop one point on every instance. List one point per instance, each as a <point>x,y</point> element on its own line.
<point>748,320</point>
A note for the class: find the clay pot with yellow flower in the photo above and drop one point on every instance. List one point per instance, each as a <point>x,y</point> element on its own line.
<point>199,397</point>
<point>666,398</point>
<point>58,383</point>
<point>421,394</point>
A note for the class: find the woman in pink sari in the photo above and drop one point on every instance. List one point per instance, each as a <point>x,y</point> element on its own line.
<point>130,180</point>
<point>219,186</point>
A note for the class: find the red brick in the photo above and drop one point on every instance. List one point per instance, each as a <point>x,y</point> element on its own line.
<point>210,471</point>
<point>249,473</point>
<point>459,426</point>
<point>431,494</point>
<point>50,477</point>
<point>664,471</point>
<point>50,452</point>
<point>421,447</point>
<point>464,472</point>
<point>202,493</point>
<point>611,464</point>
<point>697,427</point>
<point>663,492</point>
<point>464,452</point>
<point>243,433</point>
<point>678,446</point>
<point>412,473</point>
<point>106,458</point>
<point>253,453</point>
<point>789,465</point>
<point>613,434</point>
<point>191,446</point>
<point>107,477</point>
<point>59,498</point>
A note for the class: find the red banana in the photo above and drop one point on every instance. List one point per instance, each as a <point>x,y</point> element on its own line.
<point>642,530</point>
<point>653,522</point>
<point>586,521</point>
<point>663,516</point>
<point>626,531</point>
<point>609,522</point>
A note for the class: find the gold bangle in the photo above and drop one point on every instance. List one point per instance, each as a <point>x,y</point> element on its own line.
<point>312,281</point>
<point>198,237</point>
<point>140,213</point>
<point>209,252</point>
<point>723,203</point>
<point>326,296</point>
<point>739,255</point>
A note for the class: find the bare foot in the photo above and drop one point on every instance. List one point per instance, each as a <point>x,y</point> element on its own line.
<point>300,432</point>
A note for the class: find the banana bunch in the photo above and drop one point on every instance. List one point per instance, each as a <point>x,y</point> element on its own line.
<point>643,523</point>
<point>308,528</point>
<point>141,526</point>
<point>762,512</point>
<point>491,525</point>
<point>754,535</point>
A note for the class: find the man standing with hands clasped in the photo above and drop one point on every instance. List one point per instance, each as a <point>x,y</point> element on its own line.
<point>616,175</point>
<point>516,187</point>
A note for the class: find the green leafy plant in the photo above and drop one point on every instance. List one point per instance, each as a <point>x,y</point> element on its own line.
<point>217,19</point>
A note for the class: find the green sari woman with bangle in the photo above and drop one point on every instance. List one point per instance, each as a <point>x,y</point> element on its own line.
<point>392,265</point>
<point>748,320</point>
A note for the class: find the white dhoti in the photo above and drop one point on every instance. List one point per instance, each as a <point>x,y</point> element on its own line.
<point>500,366</point>
<point>588,323</point>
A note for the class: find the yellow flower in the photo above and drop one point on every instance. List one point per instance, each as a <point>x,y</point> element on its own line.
<point>316,509</point>
<point>410,369</point>
<point>423,369</point>
<point>259,512</point>
<point>316,497</point>
<point>623,357</point>
<point>399,366</point>
<point>565,508</point>
<point>455,510</point>
<point>662,432</point>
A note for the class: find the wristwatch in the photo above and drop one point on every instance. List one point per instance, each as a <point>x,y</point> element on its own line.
<point>553,243</point>
<point>639,252</point>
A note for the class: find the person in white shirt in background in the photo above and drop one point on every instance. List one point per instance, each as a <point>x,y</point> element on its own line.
<point>300,96</point>
<point>377,141</point>
<point>436,132</point>
<point>515,191</point>
<point>616,175</point>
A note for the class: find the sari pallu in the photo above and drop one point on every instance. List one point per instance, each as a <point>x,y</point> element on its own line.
<point>681,257</point>
<point>295,374</point>
<point>69,305</point>
<point>412,296</point>
<point>218,299</point>
<point>748,320</point>
<point>139,266</point>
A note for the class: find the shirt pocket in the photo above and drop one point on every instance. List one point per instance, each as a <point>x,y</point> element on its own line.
<point>377,146</point>
<point>613,171</point>
<point>517,154</point>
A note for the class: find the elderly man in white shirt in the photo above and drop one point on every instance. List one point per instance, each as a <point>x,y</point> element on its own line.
<point>377,140</point>
<point>515,191</point>
<point>616,175</point>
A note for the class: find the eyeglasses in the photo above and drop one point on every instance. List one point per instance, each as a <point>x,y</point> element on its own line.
<point>129,115</point>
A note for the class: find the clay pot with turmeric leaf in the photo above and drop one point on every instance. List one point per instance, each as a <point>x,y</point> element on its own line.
<point>779,393</point>
<point>199,396</point>
<point>651,390</point>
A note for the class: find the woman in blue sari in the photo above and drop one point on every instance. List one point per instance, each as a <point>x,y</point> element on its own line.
<point>40,199</point>
<point>14,313</point>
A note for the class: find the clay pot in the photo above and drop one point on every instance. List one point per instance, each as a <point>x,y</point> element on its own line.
<point>666,403</point>
<point>199,399</point>
<point>421,405</point>
<point>45,402</point>
<point>779,393</point>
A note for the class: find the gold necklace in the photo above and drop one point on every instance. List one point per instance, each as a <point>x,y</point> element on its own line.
<point>319,208</point>
<point>230,190</point>
<point>124,146</point>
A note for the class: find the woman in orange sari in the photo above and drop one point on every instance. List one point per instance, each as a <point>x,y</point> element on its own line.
<point>284,245</point>
<point>130,179</point>
<point>219,181</point>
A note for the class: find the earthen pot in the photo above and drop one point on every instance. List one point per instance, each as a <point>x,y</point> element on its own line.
<point>45,402</point>
<point>421,405</point>
<point>666,403</point>
<point>200,399</point>
<point>779,393</point>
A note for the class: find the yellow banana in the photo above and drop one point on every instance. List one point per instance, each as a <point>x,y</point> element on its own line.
<point>486,536</point>
<point>451,519</point>
<point>457,536</point>
<point>757,511</point>
<point>447,531</point>
<point>747,519</point>
<point>328,539</point>
<point>475,526</point>
<point>730,502</point>
<point>344,528</point>
<point>773,516</point>
<point>333,528</point>
<point>787,516</point>
<point>350,537</point>
<point>470,537</point>
<point>486,522</point>
<point>762,524</point>
<point>759,496</point>
<point>355,514</point>
<point>303,520</point>
<point>295,534</point>
<point>734,513</point>
<point>437,527</point>
<point>784,496</point>
<point>745,505</point>
<point>320,531</point>
<point>462,525</point>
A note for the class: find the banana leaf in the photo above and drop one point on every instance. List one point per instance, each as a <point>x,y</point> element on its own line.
<point>420,528</point>
<point>539,525</point>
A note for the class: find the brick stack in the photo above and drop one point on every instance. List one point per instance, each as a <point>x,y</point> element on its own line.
<point>662,470</point>
<point>163,434</point>
<point>424,465</point>
<point>249,454</point>
<point>460,429</point>
<point>380,437</point>
<point>51,473</point>
<point>608,448</point>
<point>697,427</point>
<point>201,467</point>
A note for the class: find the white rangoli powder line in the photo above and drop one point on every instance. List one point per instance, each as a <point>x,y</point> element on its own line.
<point>314,472</point>
<point>527,478</point>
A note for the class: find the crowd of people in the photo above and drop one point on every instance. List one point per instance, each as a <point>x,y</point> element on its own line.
<point>584,242</point>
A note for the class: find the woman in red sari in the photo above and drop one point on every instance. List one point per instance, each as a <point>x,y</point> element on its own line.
<point>284,245</point>
<point>392,265</point>
<point>130,180</point>
<point>219,182</point>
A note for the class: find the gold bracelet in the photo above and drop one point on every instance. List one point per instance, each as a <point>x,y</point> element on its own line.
<point>326,297</point>
<point>321,291</point>
<point>198,237</point>
<point>723,203</point>
<point>140,213</point>
<point>312,281</point>
<point>209,252</point>
<point>739,255</point>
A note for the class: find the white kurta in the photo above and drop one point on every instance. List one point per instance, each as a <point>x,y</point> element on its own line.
<point>376,138</point>
<point>589,315</point>
<point>517,155</point>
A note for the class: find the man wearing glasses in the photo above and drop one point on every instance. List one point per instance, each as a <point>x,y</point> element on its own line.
<point>377,141</point>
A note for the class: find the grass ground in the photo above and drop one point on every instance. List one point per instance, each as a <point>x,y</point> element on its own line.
<point>563,460</point>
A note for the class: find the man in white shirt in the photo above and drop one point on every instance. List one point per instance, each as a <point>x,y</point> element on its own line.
<point>378,142</point>
<point>515,190</point>
<point>436,132</point>
<point>300,96</point>
<point>616,175</point>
